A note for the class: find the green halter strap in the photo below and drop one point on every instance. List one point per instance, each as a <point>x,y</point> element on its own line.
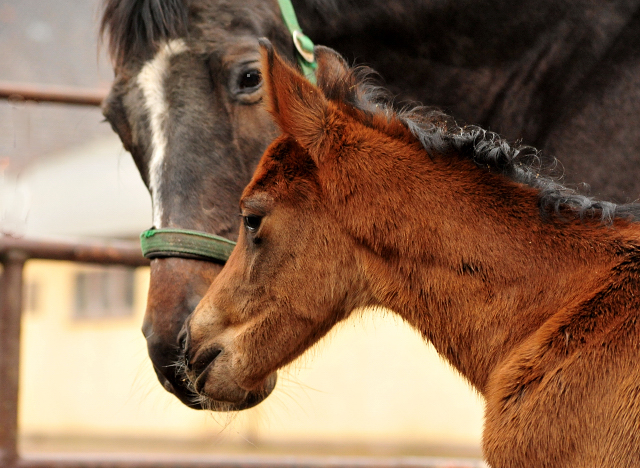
<point>160,243</point>
<point>184,243</point>
<point>304,45</point>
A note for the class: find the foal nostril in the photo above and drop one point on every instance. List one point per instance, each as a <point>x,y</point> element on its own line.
<point>201,362</point>
<point>184,336</point>
<point>183,340</point>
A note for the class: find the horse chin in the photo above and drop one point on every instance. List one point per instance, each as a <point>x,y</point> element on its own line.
<point>226,396</point>
<point>171,378</point>
<point>187,397</point>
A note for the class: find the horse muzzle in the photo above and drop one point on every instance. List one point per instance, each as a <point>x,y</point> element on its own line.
<point>176,287</point>
<point>165,364</point>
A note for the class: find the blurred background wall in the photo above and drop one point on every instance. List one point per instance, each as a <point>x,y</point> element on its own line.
<point>373,386</point>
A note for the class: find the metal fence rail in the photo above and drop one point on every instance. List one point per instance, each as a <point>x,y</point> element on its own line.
<point>50,93</point>
<point>253,461</point>
<point>13,255</point>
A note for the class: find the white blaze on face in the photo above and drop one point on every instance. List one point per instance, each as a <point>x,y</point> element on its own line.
<point>151,82</point>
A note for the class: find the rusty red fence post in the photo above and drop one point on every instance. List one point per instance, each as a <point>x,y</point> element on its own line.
<point>10,317</point>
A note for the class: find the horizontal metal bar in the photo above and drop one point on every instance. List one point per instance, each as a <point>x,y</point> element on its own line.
<point>111,253</point>
<point>51,93</point>
<point>243,461</point>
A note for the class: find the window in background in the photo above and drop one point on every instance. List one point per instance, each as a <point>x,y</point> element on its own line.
<point>31,293</point>
<point>104,293</point>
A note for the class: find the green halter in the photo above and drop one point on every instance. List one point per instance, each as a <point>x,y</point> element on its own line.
<point>159,243</point>
<point>184,243</point>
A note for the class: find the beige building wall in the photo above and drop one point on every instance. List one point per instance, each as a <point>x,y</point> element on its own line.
<point>372,382</point>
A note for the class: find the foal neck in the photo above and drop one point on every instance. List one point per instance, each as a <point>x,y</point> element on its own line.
<point>466,258</point>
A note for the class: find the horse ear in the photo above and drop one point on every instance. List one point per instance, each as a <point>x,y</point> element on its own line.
<point>334,75</point>
<point>298,107</point>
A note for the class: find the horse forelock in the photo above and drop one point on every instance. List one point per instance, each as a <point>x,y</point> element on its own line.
<point>136,28</point>
<point>438,132</point>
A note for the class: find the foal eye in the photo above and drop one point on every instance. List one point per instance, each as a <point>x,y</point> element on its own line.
<point>252,222</point>
<point>249,81</point>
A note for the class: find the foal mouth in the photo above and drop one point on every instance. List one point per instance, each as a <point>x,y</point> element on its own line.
<point>197,372</point>
<point>198,369</point>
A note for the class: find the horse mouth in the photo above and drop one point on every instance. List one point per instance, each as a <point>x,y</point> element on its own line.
<point>180,390</point>
<point>197,371</point>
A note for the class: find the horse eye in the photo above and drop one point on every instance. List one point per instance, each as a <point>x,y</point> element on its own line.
<point>252,222</point>
<point>249,81</point>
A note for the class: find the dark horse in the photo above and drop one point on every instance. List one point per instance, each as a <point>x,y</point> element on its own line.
<point>530,291</point>
<point>185,100</point>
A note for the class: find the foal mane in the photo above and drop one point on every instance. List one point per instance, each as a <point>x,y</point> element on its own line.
<point>439,132</point>
<point>134,28</point>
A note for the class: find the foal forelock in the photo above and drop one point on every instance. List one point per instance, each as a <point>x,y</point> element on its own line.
<point>151,80</point>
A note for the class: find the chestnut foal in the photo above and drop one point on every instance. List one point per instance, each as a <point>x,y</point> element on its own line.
<point>528,289</point>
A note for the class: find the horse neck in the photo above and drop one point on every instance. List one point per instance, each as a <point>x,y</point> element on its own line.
<point>505,61</point>
<point>466,258</point>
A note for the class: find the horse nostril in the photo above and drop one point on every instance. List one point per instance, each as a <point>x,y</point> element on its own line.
<point>201,362</point>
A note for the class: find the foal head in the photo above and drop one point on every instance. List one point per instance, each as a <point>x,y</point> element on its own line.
<point>294,272</point>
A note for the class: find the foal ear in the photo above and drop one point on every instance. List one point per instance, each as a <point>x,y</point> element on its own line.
<point>298,107</point>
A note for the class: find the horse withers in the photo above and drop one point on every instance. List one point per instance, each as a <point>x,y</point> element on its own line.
<point>529,290</point>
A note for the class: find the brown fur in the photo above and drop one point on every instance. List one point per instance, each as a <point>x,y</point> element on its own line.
<point>539,313</point>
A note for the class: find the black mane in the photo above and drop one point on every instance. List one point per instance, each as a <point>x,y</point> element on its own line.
<point>439,132</point>
<point>521,164</point>
<point>134,28</point>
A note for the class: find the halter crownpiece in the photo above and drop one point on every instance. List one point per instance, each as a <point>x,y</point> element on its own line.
<point>304,45</point>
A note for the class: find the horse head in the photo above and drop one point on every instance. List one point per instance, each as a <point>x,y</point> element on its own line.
<point>185,103</point>
<point>527,287</point>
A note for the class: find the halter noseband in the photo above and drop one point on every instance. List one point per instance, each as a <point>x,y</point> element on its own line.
<point>184,243</point>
